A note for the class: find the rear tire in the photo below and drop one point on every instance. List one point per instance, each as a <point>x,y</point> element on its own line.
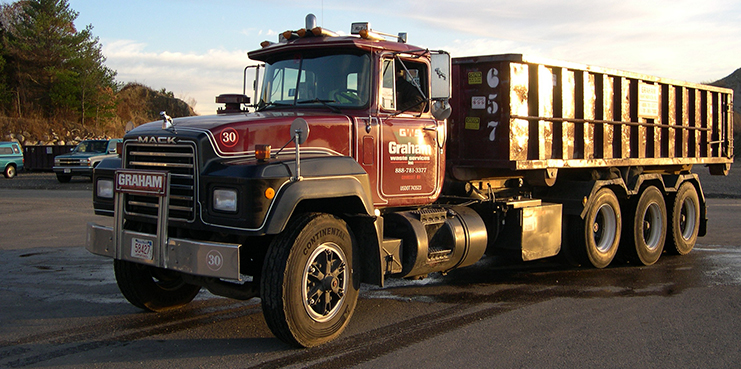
<point>151,288</point>
<point>684,220</point>
<point>308,287</point>
<point>598,234</point>
<point>9,171</point>
<point>648,228</point>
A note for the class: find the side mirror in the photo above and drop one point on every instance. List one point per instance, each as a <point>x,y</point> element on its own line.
<point>441,109</point>
<point>440,79</point>
<point>300,127</point>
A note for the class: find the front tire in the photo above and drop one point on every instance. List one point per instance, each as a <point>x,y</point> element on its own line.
<point>151,288</point>
<point>308,287</point>
<point>63,178</point>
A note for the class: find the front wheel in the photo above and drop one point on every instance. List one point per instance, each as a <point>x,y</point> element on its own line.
<point>63,178</point>
<point>151,288</point>
<point>308,287</point>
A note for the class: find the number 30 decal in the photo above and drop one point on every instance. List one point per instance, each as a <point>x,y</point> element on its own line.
<point>229,137</point>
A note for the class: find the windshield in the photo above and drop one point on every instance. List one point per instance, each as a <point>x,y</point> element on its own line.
<point>92,146</point>
<point>335,81</point>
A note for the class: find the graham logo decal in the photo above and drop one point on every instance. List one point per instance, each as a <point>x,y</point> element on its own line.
<point>141,181</point>
<point>410,152</point>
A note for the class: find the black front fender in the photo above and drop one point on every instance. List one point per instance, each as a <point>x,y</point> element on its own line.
<point>347,195</point>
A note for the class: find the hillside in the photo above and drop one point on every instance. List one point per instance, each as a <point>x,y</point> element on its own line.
<point>141,104</point>
<point>134,103</point>
<point>732,81</point>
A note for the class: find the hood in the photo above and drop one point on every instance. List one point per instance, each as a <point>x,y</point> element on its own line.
<point>237,134</point>
<point>81,155</point>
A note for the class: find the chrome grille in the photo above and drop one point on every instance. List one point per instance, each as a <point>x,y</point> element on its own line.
<point>179,161</point>
<point>69,162</point>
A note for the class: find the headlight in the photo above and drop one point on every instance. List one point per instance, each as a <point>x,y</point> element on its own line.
<point>56,161</point>
<point>225,200</point>
<point>105,188</point>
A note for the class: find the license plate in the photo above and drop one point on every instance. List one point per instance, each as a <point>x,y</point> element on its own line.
<point>142,249</point>
<point>67,171</point>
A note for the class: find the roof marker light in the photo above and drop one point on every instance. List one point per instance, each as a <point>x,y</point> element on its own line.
<point>319,31</point>
<point>370,35</point>
<point>364,30</point>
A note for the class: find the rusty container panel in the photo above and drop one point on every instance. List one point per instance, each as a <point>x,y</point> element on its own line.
<point>512,113</point>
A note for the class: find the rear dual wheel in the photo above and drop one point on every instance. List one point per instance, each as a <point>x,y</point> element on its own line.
<point>684,220</point>
<point>598,234</point>
<point>647,228</point>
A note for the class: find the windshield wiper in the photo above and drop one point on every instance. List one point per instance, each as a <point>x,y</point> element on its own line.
<point>323,102</point>
<point>264,105</point>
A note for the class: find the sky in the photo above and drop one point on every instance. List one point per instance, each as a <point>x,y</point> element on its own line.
<point>198,49</point>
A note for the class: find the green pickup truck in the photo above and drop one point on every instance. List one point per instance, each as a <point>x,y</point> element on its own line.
<point>83,158</point>
<point>11,158</point>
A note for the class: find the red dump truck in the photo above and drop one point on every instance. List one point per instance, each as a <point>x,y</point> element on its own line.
<point>366,158</point>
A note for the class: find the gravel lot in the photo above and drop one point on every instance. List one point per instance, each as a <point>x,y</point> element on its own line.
<point>714,186</point>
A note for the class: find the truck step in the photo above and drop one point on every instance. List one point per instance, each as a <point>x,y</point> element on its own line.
<point>431,216</point>
<point>439,255</point>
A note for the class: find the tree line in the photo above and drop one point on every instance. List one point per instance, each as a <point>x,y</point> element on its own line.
<point>53,77</point>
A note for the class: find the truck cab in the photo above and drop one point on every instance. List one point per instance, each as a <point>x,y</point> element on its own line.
<point>346,129</point>
<point>380,91</point>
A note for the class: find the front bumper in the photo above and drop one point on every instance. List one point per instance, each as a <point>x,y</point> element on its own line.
<point>76,171</point>
<point>208,259</point>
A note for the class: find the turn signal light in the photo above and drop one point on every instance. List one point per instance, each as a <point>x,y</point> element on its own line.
<point>262,152</point>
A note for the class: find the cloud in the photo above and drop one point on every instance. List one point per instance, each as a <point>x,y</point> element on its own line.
<point>198,76</point>
<point>678,38</point>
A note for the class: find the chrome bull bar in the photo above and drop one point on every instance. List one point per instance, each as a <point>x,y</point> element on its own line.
<point>201,258</point>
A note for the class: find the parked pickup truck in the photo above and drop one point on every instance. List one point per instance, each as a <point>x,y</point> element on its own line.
<point>11,158</point>
<point>83,158</point>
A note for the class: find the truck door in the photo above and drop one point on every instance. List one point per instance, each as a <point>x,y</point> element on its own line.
<point>410,154</point>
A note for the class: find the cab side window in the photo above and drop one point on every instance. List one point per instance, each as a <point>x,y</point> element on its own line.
<point>404,89</point>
